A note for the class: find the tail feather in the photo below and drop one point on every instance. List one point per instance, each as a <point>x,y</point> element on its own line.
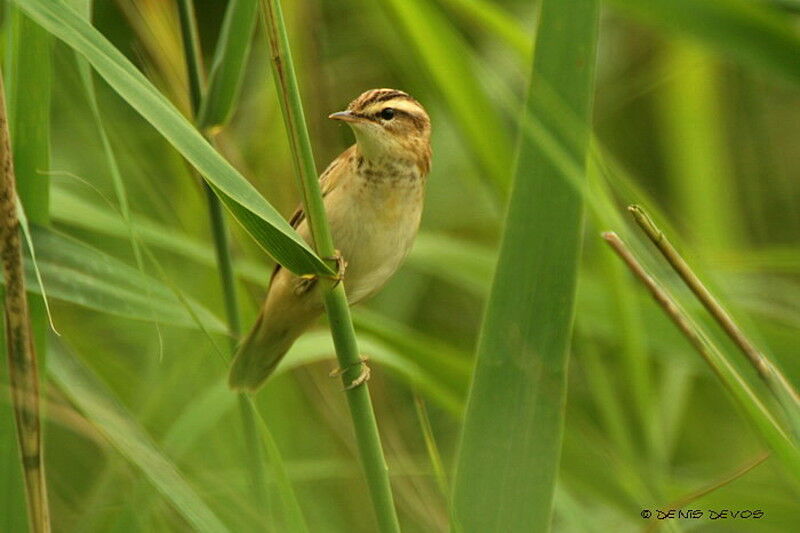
<point>258,355</point>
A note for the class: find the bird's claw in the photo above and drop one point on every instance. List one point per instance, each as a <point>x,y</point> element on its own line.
<point>362,378</point>
<point>307,281</point>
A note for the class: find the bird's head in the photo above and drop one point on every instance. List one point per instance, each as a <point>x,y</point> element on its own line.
<point>387,122</point>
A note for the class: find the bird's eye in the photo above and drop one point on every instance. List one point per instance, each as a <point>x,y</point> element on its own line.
<point>387,113</point>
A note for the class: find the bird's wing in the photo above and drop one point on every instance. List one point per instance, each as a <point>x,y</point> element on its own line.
<point>328,180</point>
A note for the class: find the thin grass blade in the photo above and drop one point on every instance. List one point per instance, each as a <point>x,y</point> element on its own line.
<point>746,399</point>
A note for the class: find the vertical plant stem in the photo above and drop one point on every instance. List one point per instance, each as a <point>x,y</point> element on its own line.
<point>344,339</point>
<point>22,366</point>
<point>222,248</point>
<point>27,69</point>
<point>774,379</point>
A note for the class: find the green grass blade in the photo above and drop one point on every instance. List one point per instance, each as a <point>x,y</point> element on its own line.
<point>291,506</point>
<point>227,67</point>
<point>742,29</point>
<point>26,232</point>
<point>113,420</point>
<point>511,441</point>
<point>28,86</point>
<point>255,214</point>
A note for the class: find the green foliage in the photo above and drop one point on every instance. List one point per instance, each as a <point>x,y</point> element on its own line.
<point>129,438</point>
<point>511,441</point>
<point>227,68</point>
<point>257,216</point>
<point>748,31</point>
<point>692,118</point>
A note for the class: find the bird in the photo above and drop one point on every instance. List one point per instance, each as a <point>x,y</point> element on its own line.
<point>373,194</point>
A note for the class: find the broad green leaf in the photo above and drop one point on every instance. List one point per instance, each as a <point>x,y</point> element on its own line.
<point>511,441</point>
<point>100,406</point>
<point>256,215</point>
<point>742,29</point>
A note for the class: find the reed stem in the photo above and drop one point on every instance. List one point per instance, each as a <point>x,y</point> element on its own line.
<point>21,351</point>
<point>222,248</point>
<point>344,339</point>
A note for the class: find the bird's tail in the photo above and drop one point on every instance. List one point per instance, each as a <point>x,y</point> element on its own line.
<point>259,354</point>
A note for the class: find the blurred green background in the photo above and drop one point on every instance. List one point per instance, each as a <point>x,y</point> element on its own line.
<point>688,119</point>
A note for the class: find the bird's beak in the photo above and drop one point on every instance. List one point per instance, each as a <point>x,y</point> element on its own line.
<point>346,116</point>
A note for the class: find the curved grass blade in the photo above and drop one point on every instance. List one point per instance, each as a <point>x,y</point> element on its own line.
<point>26,231</point>
<point>100,406</point>
<point>255,214</point>
<point>511,441</point>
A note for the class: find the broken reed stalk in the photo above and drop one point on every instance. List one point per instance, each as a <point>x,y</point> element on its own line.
<point>22,367</point>
<point>744,396</point>
<point>774,379</point>
<point>660,295</point>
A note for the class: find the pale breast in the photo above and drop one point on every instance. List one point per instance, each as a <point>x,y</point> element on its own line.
<point>374,224</point>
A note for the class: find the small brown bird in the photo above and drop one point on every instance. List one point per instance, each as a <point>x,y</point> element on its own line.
<point>373,194</point>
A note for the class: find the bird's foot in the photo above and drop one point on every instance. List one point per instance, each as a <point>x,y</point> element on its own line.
<point>307,281</point>
<point>362,378</point>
